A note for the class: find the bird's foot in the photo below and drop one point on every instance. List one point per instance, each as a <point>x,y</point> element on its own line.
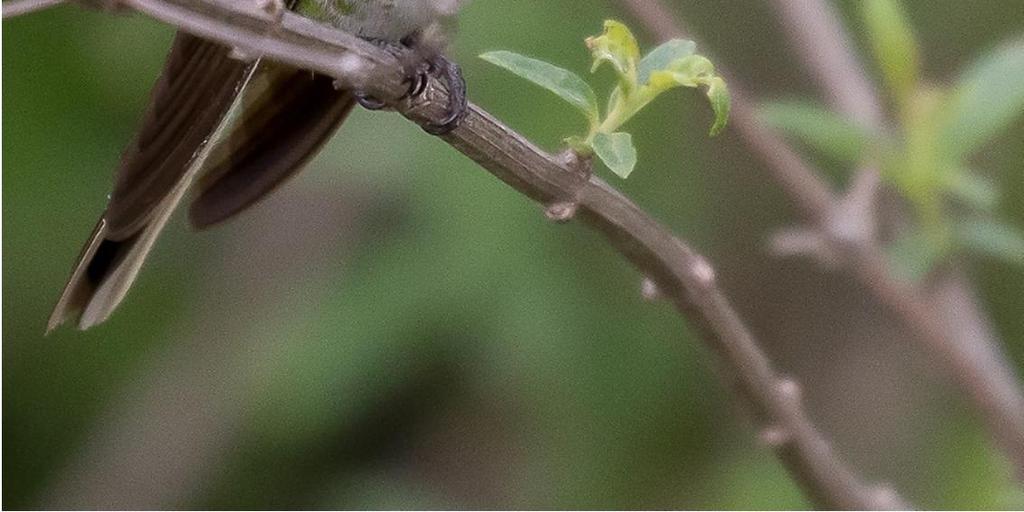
<point>458,105</point>
<point>418,73</point>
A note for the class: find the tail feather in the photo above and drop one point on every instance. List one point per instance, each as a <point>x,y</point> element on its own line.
<point>107,268</point>
<point>242,147</point>
<point>83,282</point>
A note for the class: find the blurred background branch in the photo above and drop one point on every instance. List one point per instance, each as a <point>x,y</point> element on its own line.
<point>955,332</point>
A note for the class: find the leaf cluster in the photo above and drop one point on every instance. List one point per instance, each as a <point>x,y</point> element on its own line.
<point>639,80</point>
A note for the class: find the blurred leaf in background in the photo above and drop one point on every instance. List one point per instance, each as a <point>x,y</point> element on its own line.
<point>925,159</point>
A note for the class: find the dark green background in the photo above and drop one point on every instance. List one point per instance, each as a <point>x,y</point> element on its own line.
<point>396,328</point>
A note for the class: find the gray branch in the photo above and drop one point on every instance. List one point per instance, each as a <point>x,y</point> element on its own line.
<point>564,185</point>
<point>822,42</point>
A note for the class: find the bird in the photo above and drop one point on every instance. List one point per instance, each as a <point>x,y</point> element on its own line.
<point>233,131</point>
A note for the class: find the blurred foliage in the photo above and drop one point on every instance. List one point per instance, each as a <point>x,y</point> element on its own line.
<point>926,159</point>
<point>398,329</point>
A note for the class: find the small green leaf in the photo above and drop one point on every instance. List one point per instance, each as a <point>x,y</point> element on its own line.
<point>989,95</point>
<point>617,152</point>
<point>618,47</point>
<point>661,57</point>
<point>914,256</point>
<point>691,71</point>
<point>718,94</point>
<point>974,190</point>
<point>992,238</point>
<point>566,84</point>
<point>819,128</point>
<point>894,45</point>
<point>918,169</point>
<point>686,72</point>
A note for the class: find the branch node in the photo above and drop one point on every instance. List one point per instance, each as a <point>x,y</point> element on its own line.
<point>790,390</point>
<point>774,436</point>
<point>583,166</point>
<point>562,211</point>
<point>703,272</point>
<point>886,498</point>
<point>650,291</point>
<point>274,8</point>
<point>853,217</point>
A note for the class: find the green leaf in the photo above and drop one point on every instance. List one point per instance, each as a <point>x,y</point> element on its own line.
<point>721,103</point>
<point>617,152</point>
<point>618,47</point>
<point>988,96</point>
<point>663,56</point>
<point>894,45</point>
<point>819,128</point>
<point>566,84</point>
<point>686,72</point>
<point>973,190</point>
<point>919,170</point>
<point>993,238</point>
<point>914,256</point>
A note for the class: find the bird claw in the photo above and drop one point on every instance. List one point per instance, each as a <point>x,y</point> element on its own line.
<point>418,76</point>
<point>369,102</point>
<point>457,102</point>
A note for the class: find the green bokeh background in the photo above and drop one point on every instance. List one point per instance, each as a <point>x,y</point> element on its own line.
<point>397,329</point>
